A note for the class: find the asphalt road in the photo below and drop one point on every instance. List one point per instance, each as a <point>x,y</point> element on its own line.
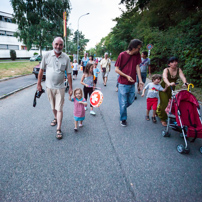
<point>12,85</point>
<point>103,161</point>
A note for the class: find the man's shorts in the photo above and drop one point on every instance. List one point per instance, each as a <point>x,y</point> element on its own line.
<point>152,103</point>
<point>105,74</point>
<point>56,98</point>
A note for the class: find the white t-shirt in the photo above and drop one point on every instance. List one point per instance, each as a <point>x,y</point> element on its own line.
<point>75,66</point>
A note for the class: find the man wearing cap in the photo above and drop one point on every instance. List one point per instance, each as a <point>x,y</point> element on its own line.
<point>56,62</point>
<point>105,65</point>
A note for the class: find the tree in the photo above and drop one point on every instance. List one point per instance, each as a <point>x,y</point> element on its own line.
<point>13,54</point>
<point>173,27</point>
<point>39,21</point>
<point>82,41</point>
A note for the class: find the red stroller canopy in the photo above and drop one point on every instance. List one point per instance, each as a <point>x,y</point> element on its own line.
<point>187,104</point>
<point>187,97</point>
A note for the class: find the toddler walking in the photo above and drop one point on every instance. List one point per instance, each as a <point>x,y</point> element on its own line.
<point>79,111</point>
<point>152,95</point>
<point>87,81</point>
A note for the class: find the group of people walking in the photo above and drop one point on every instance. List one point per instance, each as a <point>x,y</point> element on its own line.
<point>129,65</point>
<point>57,64</point>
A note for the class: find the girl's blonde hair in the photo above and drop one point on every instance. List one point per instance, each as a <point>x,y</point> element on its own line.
<point>78,89</point>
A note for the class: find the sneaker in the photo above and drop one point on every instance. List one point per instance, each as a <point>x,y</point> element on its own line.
<point>123,123</point>
<point>92,112</point>
<point>85,108</point>
<point>75,129</point>
<point>80,125</point>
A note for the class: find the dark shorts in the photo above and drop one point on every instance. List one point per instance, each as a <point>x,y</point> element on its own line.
<point>144,77</point>
<point>95,80</point>
<point>75,72</point>
<point>152,103</point>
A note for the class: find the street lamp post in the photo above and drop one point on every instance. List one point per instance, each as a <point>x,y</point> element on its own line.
<point>78,37</point>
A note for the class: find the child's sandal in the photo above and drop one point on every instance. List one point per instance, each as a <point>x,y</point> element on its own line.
<point>154,119</point>
<point>147,118</point>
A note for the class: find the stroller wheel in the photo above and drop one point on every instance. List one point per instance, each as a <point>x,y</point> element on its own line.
<point>200,149</point>
<point>180,148</point>
<point>165,134</point>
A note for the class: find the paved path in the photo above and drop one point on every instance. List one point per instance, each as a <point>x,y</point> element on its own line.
<point>16,84</point>
<point>101,162</point>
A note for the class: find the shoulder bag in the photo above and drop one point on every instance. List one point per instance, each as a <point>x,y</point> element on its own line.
<point>104,68</point>
<point>121,68</point>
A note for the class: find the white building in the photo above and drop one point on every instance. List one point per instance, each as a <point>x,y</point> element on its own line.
<point>9,42</point>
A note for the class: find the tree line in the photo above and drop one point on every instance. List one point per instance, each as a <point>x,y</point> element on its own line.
<point>40,21</point>
<point>174,28</point>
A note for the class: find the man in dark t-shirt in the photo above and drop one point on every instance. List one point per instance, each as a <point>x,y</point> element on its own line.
<point>127,66</point>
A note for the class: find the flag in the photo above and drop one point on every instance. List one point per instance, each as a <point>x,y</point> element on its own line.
<point>65,23</point>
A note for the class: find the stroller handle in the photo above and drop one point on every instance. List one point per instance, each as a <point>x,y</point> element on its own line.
<point>177,91</point>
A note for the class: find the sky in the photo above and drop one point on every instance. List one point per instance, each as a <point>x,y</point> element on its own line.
<point>94,26</point>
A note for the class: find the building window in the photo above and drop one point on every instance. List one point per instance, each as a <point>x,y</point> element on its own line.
<point>2,33</point>
<point>3,46</point>
<point>23,48</point>
<point>9,33</point>
<point>10,47</point>
<point>13,47</point>
<point>5,19</point>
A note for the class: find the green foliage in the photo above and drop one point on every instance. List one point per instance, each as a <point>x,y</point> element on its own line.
<point>174,28</point>
<point>39,21</point>
<point>13,54</point>
<point>71,58</point>
<point>82,41</point>
<point>35,53</point>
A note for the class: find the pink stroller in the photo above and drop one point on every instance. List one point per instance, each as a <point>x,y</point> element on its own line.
<point>187,119</point>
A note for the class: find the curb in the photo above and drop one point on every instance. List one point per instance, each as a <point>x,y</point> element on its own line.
<point>14,77</point>
<point>4,96</point>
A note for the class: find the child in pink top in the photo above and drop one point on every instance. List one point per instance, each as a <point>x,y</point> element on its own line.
<point>79,111</point>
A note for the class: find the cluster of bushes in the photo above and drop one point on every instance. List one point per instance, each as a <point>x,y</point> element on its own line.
<point>13,54</point>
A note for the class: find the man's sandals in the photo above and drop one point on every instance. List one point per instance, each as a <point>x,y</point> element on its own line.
<point>59,134</point>
<point>54,122</point>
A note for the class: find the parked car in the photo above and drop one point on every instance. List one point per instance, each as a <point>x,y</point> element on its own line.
<point>35,58</point>
<point>36,71</point>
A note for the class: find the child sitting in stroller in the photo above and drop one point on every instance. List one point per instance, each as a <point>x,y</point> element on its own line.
<point>152,95</point>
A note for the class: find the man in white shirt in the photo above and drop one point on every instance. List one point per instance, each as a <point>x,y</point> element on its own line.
<point>56,62</point>
<point>105,68</point>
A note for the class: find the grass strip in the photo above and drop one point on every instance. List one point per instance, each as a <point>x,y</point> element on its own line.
<point>11,69</point>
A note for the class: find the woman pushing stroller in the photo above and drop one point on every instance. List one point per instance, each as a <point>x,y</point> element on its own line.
<point>170,76</point>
